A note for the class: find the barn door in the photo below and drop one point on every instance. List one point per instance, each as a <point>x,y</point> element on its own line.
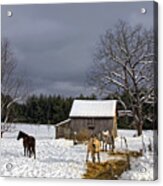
<point>91,126</point>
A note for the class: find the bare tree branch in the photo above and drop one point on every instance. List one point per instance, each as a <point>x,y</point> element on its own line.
<point>124,59</point>
<point>13,88</point>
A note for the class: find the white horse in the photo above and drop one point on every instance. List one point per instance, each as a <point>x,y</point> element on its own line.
<point>107,139</point>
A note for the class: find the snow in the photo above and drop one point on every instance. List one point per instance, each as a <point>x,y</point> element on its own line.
<point>37,130</point>
<point>59,158</point>
<point>55,158</point>
<point>93,108</point>
<point>134,143</point>
<point>143,167</point>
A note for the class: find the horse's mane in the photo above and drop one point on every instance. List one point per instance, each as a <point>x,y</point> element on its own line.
<point>23,133</point>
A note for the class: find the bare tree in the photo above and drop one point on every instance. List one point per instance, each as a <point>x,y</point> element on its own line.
<point>124,62</point>
<point>13,87</point>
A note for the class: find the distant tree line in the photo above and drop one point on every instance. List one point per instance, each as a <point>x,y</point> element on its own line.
<point>52,109</point>
<point>41,109</point>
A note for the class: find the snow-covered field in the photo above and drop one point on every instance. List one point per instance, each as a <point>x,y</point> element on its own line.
<point>60,159</point>
<point>39,131</point>
<point>142,168</point>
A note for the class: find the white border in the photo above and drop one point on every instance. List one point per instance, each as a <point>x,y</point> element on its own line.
<point>68,182</point>
<point>61,1</point>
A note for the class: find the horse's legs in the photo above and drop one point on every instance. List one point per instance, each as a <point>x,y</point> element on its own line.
<point>24,151</point>
<point>29,152</point>
<point>105,146</point>
<point>98,156</point>
<point>93,157</point>
<point>113,147</point>
<point>87,156</point>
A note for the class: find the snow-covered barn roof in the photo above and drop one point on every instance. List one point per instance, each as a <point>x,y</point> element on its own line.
<point>93,108</point>
<point>63,122</point>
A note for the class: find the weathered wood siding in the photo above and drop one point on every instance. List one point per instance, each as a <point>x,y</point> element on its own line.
<point>64,131</point>
<point>99,124</point>
<point>60,131</point>
<point>115,126</point>
<point>95,125</point>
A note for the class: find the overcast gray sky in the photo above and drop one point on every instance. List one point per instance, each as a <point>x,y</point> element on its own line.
<point>54,43</point>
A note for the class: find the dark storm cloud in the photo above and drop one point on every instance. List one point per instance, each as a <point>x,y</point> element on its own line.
<point>54,44</point>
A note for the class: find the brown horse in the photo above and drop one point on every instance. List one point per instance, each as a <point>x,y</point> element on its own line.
<point>93,147</point>
<point>29,144</point>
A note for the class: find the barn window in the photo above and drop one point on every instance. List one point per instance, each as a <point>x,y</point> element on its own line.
<point>91,124</point>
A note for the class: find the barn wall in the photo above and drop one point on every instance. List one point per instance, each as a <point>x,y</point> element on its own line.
<point>64,131</point>
<point>77,124</point>
<point>99,124</point>
<point>115,126</point>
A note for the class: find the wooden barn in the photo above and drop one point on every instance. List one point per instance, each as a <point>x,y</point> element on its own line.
<point>92,115</point>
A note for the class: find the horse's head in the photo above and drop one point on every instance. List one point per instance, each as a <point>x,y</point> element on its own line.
<point>94,141</point>
<point>95,144</point>
<point>20,135</point>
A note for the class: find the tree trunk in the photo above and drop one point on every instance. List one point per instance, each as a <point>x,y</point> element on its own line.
<point>137,111</point>
<point>139,129</point>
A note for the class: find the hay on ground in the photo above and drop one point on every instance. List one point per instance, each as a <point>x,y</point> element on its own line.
<point>111,169</point>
